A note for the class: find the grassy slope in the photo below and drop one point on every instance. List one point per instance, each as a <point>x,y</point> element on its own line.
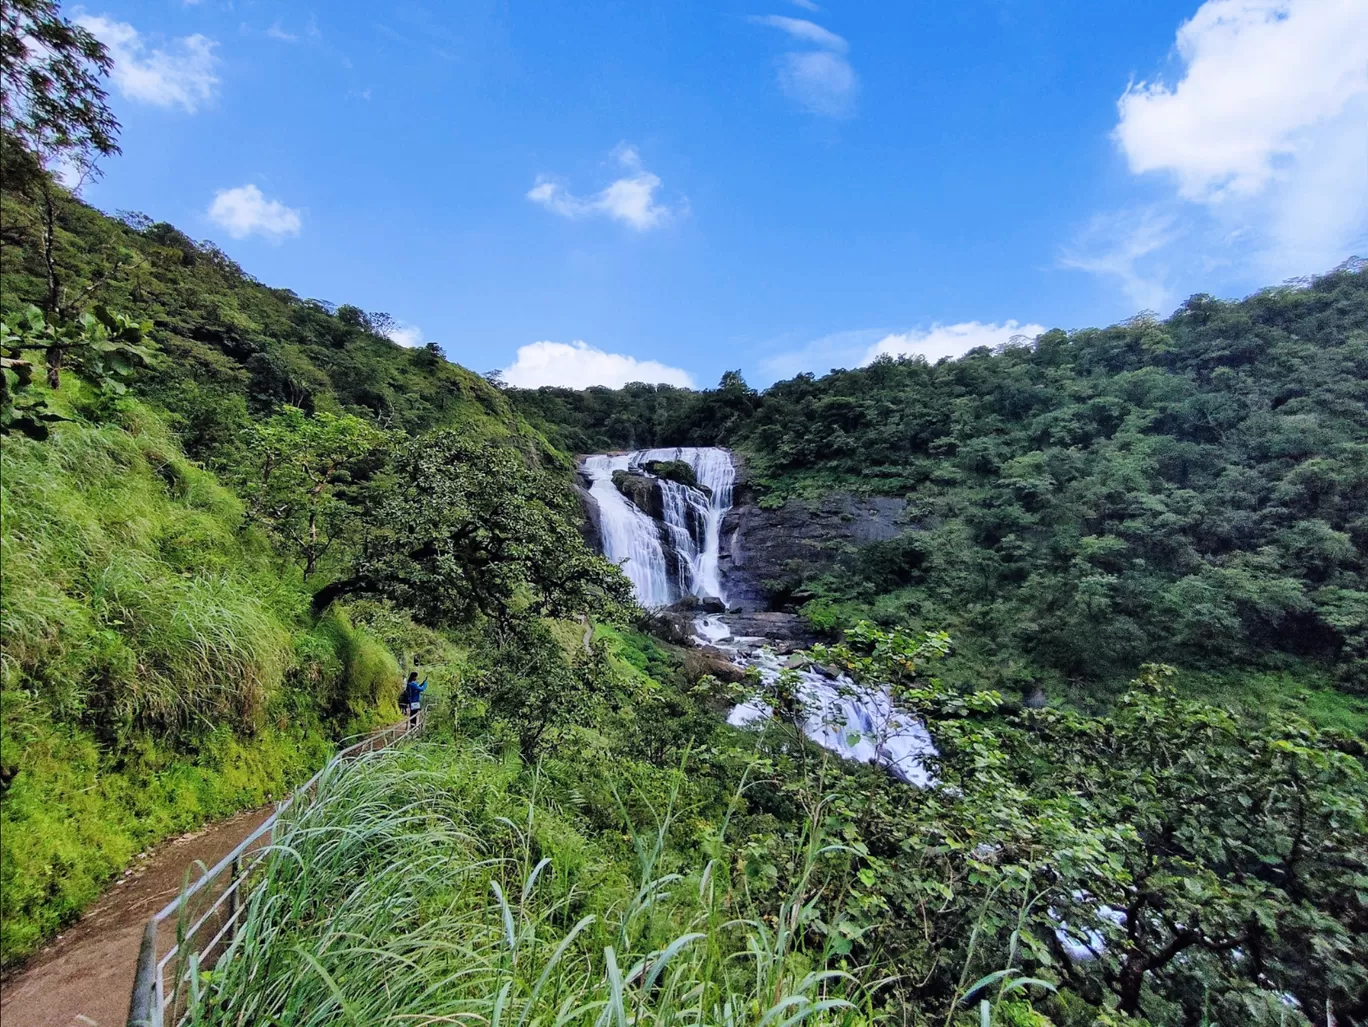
<point>160,666</point>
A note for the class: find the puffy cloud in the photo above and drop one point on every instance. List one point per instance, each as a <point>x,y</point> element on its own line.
<point>821,81</point>
<point>630,199</point>
<point>1261,134</point>
<point>182,75</point>
<point>1258,75</point>
<point>577,365</point>
<point>245,211</point>
<point>951,340</point>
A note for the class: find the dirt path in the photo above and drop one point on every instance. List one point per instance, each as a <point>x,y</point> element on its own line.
<point>85,976</point>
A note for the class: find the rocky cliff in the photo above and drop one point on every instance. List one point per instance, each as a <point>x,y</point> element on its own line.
<point>766,552</point>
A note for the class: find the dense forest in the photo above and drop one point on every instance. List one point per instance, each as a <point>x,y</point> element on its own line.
<point>230,517</point>
<point>1193,489</point>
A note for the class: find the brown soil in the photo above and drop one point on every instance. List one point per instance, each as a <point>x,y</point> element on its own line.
<point>85,976</point>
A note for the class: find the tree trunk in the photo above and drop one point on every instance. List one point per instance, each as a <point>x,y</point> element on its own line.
<point>52,301</point>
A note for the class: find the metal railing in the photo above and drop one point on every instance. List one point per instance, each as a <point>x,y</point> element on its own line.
<point>210,906</point>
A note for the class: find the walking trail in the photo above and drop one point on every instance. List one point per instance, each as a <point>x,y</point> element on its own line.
<point>85,977</point>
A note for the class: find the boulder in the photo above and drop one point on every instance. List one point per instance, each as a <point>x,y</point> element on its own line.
<point>710,604</point>
<point>642,490</point>
<point>675,470</point>
<point>700,663</point>
<point>779,627</point>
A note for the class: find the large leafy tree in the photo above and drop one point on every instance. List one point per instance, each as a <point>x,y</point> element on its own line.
<point>304,476</point>
<point>466,527</point>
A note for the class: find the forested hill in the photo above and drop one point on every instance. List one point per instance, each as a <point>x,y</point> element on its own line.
<point>229,519</point>
<point>1193,489</point>
<point>233,347</point>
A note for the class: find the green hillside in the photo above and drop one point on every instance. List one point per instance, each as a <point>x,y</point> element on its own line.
<point>1192,489</point>
<point>173,548</point>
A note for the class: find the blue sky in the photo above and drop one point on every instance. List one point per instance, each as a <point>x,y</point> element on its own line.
<point>582,193</point>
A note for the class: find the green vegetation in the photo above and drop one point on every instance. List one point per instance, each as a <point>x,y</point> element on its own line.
<point>152,665</point>
<point>236,521</point>
<point>1192,489</point>
<point>224,530</point>
<point>487,901</point>
<point>718,870</point>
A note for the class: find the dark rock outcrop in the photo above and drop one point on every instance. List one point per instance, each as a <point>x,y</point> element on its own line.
<point>784,627</point>
<point>643,490</point>
<point>766,551</point>
<point>592,526</point>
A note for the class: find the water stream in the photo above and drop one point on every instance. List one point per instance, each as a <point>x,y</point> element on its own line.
<point>679,556</point>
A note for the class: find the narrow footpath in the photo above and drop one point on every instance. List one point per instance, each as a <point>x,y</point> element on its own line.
<point>86,975</point>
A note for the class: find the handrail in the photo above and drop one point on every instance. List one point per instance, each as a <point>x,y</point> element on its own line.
<point>150,999</point>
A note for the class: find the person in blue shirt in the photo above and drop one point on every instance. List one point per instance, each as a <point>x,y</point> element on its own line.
<point>412,698</point>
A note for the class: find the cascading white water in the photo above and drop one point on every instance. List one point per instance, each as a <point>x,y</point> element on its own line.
<point>694,517</point>
<point>630,537</point>
<point>692,523</point>
<point>859,723</point>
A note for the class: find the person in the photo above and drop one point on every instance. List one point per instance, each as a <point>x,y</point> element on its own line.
<point>412,699</point>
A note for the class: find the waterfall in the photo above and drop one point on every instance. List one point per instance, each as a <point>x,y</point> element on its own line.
<point>679,556</point>
<point>693,517</point>
<point>630,537</point>
<point>691,524</point>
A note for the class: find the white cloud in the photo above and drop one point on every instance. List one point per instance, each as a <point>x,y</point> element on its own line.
<point>276,32</point>
<point>1258,74</point>
<point>806,5</point>
<point>577,365</point>
<point>406,335</point>
<point>1261,139</point>
<point>838,349</point>
<point>629,199</point>
<point>1128,248</point>
<point>951,340</point>
<point>182,75</point>
<point>805,31</point>
<point>245,211</point>
<point>820,81</point>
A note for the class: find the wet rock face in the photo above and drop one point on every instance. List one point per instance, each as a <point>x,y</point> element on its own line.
<point>765,551</point>
<point>592,527</point>
<point>783,627</point>
<point>642,490</point>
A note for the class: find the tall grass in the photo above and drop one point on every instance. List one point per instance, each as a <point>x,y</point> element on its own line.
<point>128,591</point>
<point>421,888</point>
<point>157,669</point>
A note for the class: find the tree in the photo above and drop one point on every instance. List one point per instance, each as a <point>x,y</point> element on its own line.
<point>535,687</point>
<point>52,103</point>
<point>305,473</point>
<point>469,527</point>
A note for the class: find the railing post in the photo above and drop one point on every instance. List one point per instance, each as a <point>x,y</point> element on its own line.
<point>142,1011</point>
<point>234,896</point>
